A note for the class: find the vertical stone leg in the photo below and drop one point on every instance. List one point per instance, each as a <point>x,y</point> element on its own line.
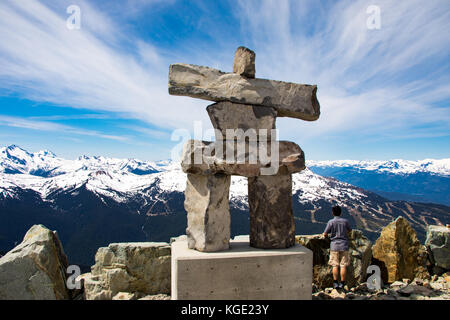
<point>208,212</point>
<point>271,218</point>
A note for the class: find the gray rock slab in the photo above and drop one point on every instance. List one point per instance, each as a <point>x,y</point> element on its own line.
<point>438,242</point>
<point>235,119</point>
<point>242,159</point>
<point>208,212</point>
<point>35,269</point>
<point>241,273</point>
<point>289,99</point>
<point>128,268</point>
<point>271,217</point>
<point>244,62</point>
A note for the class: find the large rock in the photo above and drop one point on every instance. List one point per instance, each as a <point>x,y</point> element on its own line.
<point>255,122</point>
<point>208,212</point>
<point>289,99</point>
<point>360,250</point>
<point>199,157</point>
<point>244,62</point>
<point>132,269</point>
<point>272,223</point>
<point>399,253</point>
<point>438,243</point>
<point>35,269</point>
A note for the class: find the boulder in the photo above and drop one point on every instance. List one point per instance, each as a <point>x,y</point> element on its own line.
<point>156,297</point>
<point>244,62</point>
<point>289,99</point>
<point>199,157</point>
<point>399,253</point>
<point>35,269</point>
<point>208,212</point>
<point>129,270</point>
<point>413,289</point>
<point>125,296</point>
<point>360,250</point>
<point>438,244</point>
<point>234,119</point>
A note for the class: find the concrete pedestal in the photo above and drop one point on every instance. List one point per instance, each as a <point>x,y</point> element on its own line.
<point>241,273</point>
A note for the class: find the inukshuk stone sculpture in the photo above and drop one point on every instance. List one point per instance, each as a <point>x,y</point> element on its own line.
<point>245,144</point>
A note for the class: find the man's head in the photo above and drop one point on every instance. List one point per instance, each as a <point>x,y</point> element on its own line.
<point>336,210</point>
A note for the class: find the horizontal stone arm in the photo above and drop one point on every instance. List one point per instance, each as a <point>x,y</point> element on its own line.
<point>199,157</point>
<point>289,99</point>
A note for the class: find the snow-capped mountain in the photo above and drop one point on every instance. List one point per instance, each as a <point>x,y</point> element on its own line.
<point>424,180</point>
<point>439,167</point>
<point>93,201</point>
<point>122,179</point>
<point>15,160</point>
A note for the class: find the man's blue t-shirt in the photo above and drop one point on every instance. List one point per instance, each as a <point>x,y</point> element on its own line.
<point>338,228</point>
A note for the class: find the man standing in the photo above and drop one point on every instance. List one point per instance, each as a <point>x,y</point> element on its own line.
<point>338,229</point>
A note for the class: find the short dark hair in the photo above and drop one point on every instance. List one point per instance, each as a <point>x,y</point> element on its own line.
<point>336,211</point>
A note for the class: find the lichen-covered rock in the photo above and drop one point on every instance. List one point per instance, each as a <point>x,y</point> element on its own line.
<point>399,253</point>
<point>360,249</point>
<point>438,243</point>
<point>35,269</point>
<point>141,268</point>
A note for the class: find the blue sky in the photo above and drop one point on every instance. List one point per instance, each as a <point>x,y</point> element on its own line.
<point>102,89</point>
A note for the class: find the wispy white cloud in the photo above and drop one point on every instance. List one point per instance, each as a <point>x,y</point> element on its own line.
<point>369,81</point>
<point>389,81</point>
<point>48,126</point>
<point>45,61</point>
<point>153,133</point>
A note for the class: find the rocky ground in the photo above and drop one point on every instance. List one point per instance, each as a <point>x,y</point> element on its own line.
<point>37,268</point>
<point>438,288</point>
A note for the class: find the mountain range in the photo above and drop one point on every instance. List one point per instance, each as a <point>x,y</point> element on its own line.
<point>425,180</point>
<point>94,201</point>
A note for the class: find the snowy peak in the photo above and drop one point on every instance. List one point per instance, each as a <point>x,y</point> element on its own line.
<point>125,179</point>
<point>396,166</point>
<point>15,160</point>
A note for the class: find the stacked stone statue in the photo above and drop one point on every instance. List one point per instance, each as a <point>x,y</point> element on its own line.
<point>247,107</point>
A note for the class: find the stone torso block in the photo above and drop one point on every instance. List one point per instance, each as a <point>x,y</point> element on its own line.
<point>250,119</point>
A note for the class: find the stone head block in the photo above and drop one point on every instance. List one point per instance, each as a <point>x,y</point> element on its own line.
<point>244,62</point>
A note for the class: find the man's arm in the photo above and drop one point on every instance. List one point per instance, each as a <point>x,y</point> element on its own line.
<point>349,229</point>
<point>327,229</point>
<point>348,226</point>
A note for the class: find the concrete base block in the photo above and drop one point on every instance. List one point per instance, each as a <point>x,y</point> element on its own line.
<point>241,273</point>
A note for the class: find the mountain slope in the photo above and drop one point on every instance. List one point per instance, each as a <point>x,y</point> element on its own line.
<point>93,201</point>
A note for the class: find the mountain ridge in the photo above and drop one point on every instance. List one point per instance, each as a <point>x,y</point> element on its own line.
<point>94,201</point>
